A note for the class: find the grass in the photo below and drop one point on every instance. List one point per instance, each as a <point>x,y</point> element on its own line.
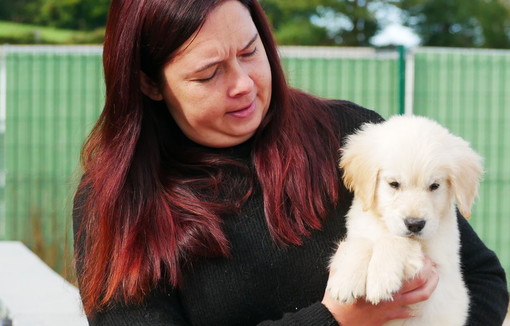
<point>16,33</point>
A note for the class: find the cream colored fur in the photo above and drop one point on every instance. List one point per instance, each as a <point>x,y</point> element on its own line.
<point>406,167</point>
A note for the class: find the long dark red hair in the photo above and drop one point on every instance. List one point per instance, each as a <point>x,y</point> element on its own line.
<point>145,210</point>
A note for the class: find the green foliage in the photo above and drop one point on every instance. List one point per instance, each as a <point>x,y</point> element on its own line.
<point>302,32</point>
<point>453,23</point>
<point>281,12</point>
<point>13,9</point>
<point>69,14</point>
<point>295,21</point>
<point>16,33</point>
<point>73,14</point>
<point>460,23</point>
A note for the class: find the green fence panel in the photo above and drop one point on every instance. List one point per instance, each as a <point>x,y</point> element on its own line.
<point>55,94</point>
<point>50,98</point>
<point>3,109</point>
<point>362,75</point>
<point>53,97</point>
<point>469,92</point>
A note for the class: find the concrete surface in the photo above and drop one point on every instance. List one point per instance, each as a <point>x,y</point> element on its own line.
<point>32,293</point>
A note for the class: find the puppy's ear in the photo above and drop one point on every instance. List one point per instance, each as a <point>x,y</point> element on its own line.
<point>466,172</point>
<point>360,172</point>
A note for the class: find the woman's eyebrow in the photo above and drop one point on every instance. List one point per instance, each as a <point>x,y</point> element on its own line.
<point>209,65</point>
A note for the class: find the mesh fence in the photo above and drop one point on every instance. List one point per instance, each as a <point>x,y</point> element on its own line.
<point>469,92</point>
<point>53,97</point>
<point>50,98</point>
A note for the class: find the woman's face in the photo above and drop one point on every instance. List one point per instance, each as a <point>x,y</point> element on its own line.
<point>218,85</point>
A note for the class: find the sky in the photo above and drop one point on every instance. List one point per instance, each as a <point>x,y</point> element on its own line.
<point>393,32</point>
<point>396,34</point>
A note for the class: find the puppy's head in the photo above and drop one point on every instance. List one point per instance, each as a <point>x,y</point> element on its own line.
<point>408,170</point>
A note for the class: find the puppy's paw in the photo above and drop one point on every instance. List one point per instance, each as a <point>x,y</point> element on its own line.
<point>382,285</point>
<point>385,274</point>
<point>350,263</point>
<point>346,287</point>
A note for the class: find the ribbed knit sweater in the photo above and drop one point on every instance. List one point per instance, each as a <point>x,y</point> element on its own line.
<point>263,283</point>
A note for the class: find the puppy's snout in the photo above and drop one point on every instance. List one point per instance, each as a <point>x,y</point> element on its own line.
<point>414,225</point>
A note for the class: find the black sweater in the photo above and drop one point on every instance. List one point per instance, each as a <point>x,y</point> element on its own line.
<point>263,283</point>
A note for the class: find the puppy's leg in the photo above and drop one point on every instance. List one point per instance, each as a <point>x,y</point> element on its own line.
<point>414,262</point>
<point>349,266</point>
<point>390,265</point>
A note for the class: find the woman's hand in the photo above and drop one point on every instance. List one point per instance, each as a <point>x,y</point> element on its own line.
<point>363,313</point>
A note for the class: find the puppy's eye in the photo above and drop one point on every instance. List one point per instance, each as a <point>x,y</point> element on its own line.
<point>434,186</point>
<point>394,185</point>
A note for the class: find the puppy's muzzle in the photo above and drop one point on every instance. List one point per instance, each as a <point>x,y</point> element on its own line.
<point>414,225</point>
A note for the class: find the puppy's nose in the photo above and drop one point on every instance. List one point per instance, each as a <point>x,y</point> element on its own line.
<point>414,225</point>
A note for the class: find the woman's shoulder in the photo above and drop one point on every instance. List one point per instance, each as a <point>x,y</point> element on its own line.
<point>350,116</point>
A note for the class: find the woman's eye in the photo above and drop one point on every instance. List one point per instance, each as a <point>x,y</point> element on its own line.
<point>203,80</point>
<point>434,186</point>
<point>249,54</point>
<point>394,185</point>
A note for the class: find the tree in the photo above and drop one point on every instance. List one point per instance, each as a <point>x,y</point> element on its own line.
<point>13,10</point>
<point>319,22</point>
<point>459,23</point>
<point>360,21</point>
<point>70,14</point>
<point>291,22</point>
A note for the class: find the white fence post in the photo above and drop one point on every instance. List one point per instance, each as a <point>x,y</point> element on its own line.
<point>409,83</point>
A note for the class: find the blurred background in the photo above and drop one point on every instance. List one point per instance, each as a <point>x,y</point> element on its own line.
<point>445,59</point>
<point>450,23</point>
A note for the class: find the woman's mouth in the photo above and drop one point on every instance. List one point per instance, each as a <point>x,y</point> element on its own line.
<point>244,112</point>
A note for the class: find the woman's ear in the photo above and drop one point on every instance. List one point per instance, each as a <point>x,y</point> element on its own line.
<point>150,88</point>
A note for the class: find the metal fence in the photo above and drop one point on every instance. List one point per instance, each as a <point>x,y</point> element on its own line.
<point>362,75</point>
<point>51,96</point>
<point>469,91</point>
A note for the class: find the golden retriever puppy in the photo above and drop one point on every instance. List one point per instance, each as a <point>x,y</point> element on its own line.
<point>407,174</point>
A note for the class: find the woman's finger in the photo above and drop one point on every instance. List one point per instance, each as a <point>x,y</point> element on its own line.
<point>419,288</point>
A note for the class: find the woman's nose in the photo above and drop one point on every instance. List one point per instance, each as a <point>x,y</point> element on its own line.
<point>241,82</point>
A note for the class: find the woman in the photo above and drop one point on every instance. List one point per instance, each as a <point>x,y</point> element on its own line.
<point>211,194</point>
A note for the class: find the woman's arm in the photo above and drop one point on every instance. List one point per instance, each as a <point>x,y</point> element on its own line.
<point>484,277</point>
<point>159,309</point>
<point>314,315</point>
